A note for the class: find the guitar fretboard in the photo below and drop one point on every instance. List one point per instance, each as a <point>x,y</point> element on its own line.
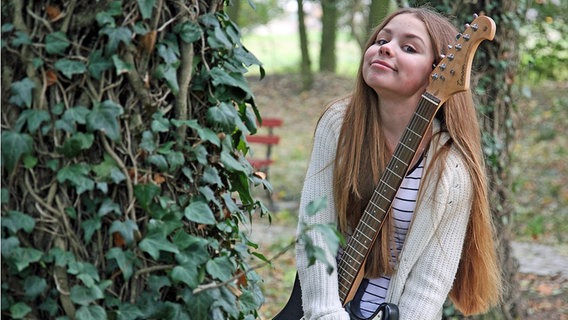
<point>365,234</point>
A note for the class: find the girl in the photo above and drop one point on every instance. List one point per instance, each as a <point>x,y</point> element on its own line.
<point>439,239</point>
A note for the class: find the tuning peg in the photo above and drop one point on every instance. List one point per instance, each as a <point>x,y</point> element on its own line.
<point>458,36</point>
<point>467,25</point>
<point>475,16</point>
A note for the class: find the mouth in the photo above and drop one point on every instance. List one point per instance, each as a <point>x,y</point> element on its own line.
<point>383,64</point>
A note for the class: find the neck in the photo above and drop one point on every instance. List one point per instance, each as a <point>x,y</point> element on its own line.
<point>395,116</point>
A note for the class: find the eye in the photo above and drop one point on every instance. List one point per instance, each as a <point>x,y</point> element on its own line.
<point>409,49</point>
<point>380,42</point>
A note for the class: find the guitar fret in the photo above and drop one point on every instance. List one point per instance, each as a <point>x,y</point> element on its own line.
<point>416,134</point>
<point>407,147</point>
<point>397,175</point>
<point>421,117</point>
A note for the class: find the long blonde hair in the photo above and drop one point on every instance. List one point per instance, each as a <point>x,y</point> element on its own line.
<point>362,155</point>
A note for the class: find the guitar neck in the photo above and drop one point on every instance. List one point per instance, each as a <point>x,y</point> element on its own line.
<point>357,249</point>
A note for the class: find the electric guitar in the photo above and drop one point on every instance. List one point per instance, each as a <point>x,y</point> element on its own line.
<point>450,76</point>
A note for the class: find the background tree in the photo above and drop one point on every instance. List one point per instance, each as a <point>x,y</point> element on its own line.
<point>494,84</point>
<point>329,24</point>
<point>305,64</point>
<point>124,178</point>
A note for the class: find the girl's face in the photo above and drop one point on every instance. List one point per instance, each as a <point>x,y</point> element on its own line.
<point>400,61</point>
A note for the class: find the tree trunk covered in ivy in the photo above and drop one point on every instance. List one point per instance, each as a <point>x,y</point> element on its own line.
<point>493,81</point>
<point>124,178</point>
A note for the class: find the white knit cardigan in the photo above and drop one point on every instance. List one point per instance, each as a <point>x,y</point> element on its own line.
<point>432,250</point>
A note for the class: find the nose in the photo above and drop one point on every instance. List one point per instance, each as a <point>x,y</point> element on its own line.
<point>385,49</point>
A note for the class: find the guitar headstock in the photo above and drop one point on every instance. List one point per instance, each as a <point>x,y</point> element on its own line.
<point>452,74</point>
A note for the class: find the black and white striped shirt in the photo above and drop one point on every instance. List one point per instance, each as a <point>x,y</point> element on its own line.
<point>372,292</point>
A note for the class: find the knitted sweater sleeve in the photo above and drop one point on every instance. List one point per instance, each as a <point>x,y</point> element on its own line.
<point>432,253</point>
<point>320,298</point>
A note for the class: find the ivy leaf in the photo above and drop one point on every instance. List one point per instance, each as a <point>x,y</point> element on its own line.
<point>145,193</point>
<point>218,39</point>
<point>168,73</point>
<point>92,312</point>
<point>230,162</point>
<point>222,118</point>
<point>120,65</point>
<point>155,243</point>
<point>146,7</point>
<point>237,80</point>
<point>34,118</point>
<point>147,142</point>
<point>115,37</point>
<point>15,221</point>
<point>108,206</point>
<point>188,32</point>
<point>70,67</point>
<point>159,161</point>
<point>21,39</point>
<point>125,263</point>
<point>71,117</point>
<point>128,311</point>
<point>104,117</point>
<point>186,274</point>
<point>126,229</point>
<point>24,256</point>
<point>77,175</point>
<point>159,123</point>
<point>211,176</point>
<point>175,160</point>
<point>56,42</point>
<point>76,143</point>
<point>205,134</point>
<point>90,226</point>
<point>198,211</point>
<point>14,146</point>
<point>98,64</point>
<point>316,206</point>
<point>19,310</point>
<point>85,295</point>
<point>34,286</point>
<point>220,268</point>
<point>22,92</point>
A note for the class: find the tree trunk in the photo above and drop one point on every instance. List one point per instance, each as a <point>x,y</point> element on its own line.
<point>328,35</point>
<point>496,65</point>
<point>306,65</point>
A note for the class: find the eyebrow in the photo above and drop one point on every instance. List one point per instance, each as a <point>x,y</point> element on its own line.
<point>404,35</point>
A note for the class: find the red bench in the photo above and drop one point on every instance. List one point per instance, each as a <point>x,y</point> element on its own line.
<point>268,140</point>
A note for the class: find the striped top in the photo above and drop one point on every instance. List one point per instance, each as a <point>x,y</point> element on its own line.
<point>372,292</point>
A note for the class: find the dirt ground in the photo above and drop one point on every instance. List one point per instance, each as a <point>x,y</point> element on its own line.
<point>542,296</point>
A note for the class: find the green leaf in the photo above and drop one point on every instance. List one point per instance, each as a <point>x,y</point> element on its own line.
<point>145,194</point>
<point>230,203</point>
<point>71,117</point>
<point>56,43</point>
<point>77,175</point>
<point>159,123</point>
<point>126,229</point>
<point>169,73</point>
<point>233,79</point>
<point>34,286</point>
<point>85,295</point>
<point>230,163</point>
<point>218,39</point>
<point>186,274</point>
<point>104,117</point>
<point>188,32</point>
<point>170,56</point>
<point>22,92</point>
<point>128,311</point>
<point>125,263</point>
<point>155,243</point>
<point>92,312</point>
<point>98,64</point>
<point>24,256</point>
<point>198,211</point>
<point>19,310</point>
<point>14,146</point>
<point>211,176</point>
<point>115,37</point>
<point>34,118</point>
<point>147,142</point>
<point>90,226</point>
<point>108,206</point>
<point>70,67</point>
<point>120,65</point>
<point>76,143</point>
<point>316,206</point>
<point>175,160</point>
<point>146,7</point>
<point>16,221</point>
<point>21,39</point>
<point>220,268</point>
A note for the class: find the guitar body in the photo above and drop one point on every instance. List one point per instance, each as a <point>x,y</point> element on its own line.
<point>293,308</point>
<point>450,76</point>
